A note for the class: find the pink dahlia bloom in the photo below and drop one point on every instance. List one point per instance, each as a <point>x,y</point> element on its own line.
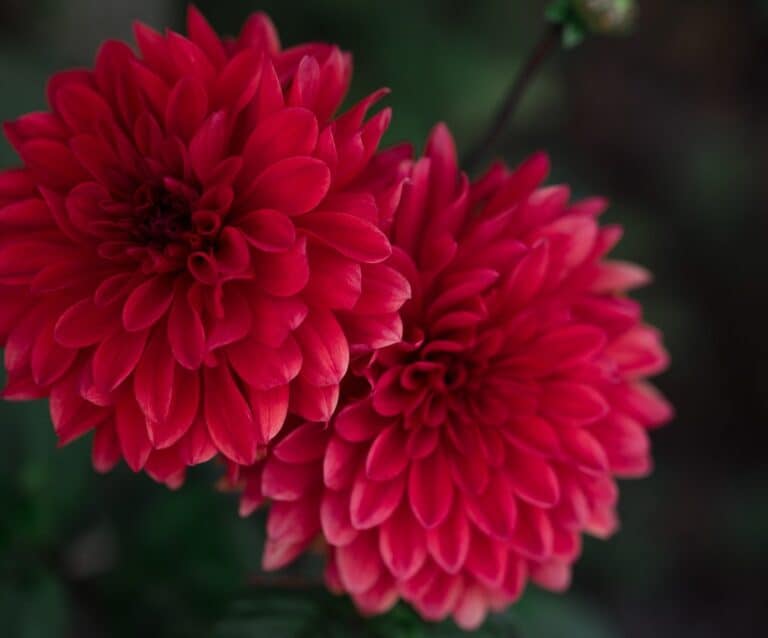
<point>192,247</point>
<point>470,457</point>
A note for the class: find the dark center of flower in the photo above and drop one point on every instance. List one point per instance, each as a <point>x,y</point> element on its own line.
<point>163,216</point>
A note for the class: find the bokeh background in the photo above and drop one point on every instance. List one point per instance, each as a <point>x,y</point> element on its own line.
<point>671,123</point>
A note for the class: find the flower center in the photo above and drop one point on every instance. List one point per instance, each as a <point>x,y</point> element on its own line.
<point>163,216</point>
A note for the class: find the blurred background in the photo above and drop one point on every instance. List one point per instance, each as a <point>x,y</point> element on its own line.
<point>671,123</point>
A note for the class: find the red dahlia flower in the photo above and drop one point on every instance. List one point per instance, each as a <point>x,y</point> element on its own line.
<point>192,245</point>
<point>470,457</point>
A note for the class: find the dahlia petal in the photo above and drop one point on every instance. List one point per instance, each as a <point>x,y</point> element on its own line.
<point>208,146</point>
<point>182,410</point>
<point>312,402</point>
<point>237,83</point>
<point>283,274</point>
<point>116,357</point>
<point>553,575</point>
<point>533,434</point>
<point>495,510</point>
<point>639,352</point>
<point>515,578</point>
<point>53,163</point>
<point>487,560</point>
<point>380,598</point>
<point>575,237</point>
<point>27,215</point>
<point>113,288</point>
<point>560,349</point>
<point>465,285</point>
<point>533,537</point>
<point>626,445</point>
<point>324,349</point>
<point>83,324</point>
<point>270,408</point>
<point>334,517</point>
<point>203,35</point>
<point>645,403</point>
<point>528,276</point>
<point>336,281</point>
<point>573,403</point>
<point>358,422</point>
<point>430,489</point>
<point>234,325</point>
<point>188,58</point>
<point>263,367</point>
<point>351,236</point>
<point>448,543</point>
<point>153,378</point>
<point>165,466</point>
<point>372,502</point>
<point>288,482</point>
<point>335,76</point>
<point>286,133</point>
<point>276,318</point>
<point>383,289</point>
<point>71,415</point>
<point>440,597</point>
<point>230,421</point>
<point>105,453</point>
<point>294,185</point>
<point>293,522</point>
<point>468,466</point>
<point>305,443</point>
<point>131,428</point>
<point>306,82</point>
<point>373,331</point>
<point>268,230</point>
<point>186,108</point>
<point>196,445</point>
<point>49,361</point>
<point>147,303</point>
<point>340,464</point>
<point>534,480</point>
<point>422,442</point>
<point>359,564</point>
<point>278,554</point>
<point>252,497</point>
<point>603,522</point>
<point>385,458</point>
<point>441,151</point>
<point>471,609</point>
<point>415,587</point>
<point>269,97</point>
<point>186,333</point>
<point>566,544</point>
<point>390,398</point>
<point>619,276</point>
<point>584,450</point>
<point>15,184</point>
<point>401,543</point>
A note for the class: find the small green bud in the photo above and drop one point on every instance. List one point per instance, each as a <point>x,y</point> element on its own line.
<point>606,16</point>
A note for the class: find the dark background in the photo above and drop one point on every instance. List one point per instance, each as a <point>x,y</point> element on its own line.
<point>671,123</point>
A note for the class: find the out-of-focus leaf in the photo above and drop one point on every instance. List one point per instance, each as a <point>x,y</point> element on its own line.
<point>34,607</point>
<point>315,613</point>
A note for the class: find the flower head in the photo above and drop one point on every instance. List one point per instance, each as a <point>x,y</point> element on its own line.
<point>471,457</point>
<point>189,250</point>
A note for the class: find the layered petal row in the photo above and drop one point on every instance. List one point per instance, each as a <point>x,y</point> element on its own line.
<point>193,246</point>
<point>471,457</point>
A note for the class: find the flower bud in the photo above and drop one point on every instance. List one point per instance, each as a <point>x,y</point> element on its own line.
<point>606,16</point>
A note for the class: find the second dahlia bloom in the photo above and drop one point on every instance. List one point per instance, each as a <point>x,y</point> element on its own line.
<point>471,457</point>
<point>191,247</point>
